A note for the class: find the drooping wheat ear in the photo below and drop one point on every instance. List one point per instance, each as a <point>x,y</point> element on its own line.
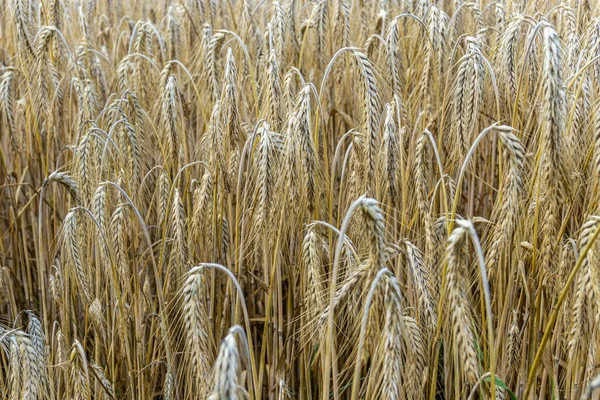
<point>372,44</point>
<point>202,210</point>
<point>375,228</point>
<point>500,15</point>
<point>38,341</point>
<point>579,96</point>
<point>195,325</point>
<point>308,162</point>
<point>363,20</point>
<point>7,115</point>
<point>13,387</point>
<point>205,11</point>
<point>311,254</point>
<point>352,282</point>
<point>225,375</point>
<point>134,155</point>
<point>261,59</point>
<point>292,80</point>
<point>278,30</point>
<point>72,241</point>
<point>97,317</point>
<point>90,94</point>
<point>121,178</point>
<point>169,385</point>
<point>125,73</point>
<point>370,99</point>
<point>225,239</point>
<point>61,347</point>
<point>378,28</point>
<point>216,12</point>
<point>321,19</point>
<point>81,106</point>
<point>508,58</point>
<point>234,167</point>
<point>552,179</point>
<point>513,346</point>
<point>272,101</point>
<point>56,12</point>
<point>349,256</point>
<point>567,259</point>
<point>427,73</point>
<point>437,24</point>
<point>341,38</point>
<point>393,369</point>
<point>80,379</point>
<point>86,168</point>
<point>29,387</point>
<point>451,191</point>
<point>44,69</point>
<point>105,259</point>
<point>142,45</point>
<point>589,370</point>
<point>232,136</point>
<point>169,113</point>
<point>162,195</point>
<point>90,9</point>
<point>416,358</point>
<point>203,45</point>
<point>246,11</point>
<point>230,103</point>
<point>390,155</point>
<point>289,182</point>
<point>508,213</point>
<point>82,55</point>
<point>211,60</point>
<point>392,59</point>
<point>421,180</point>
<point>460,313</point>
<point>265,162</point>
<point>179,249</point>
<point>425,285</point>
<point>532,66</point>
<point>136,113</point>
<point>23,23</point>
<point>65,179</point>
<point>573,50</point>
<point>107,386</point>
<point>118,227</point>
<point>293,47</point>
<point>587,294</point>
<point>217,135</point>
<point>56,116</point>
<point>56,283</point>
<point>404,369</point>
<point>201,55</point>
<point>467,98</point>
<point>173,34</point>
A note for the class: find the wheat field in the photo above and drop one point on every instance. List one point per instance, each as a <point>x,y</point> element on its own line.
<point>313,200</point>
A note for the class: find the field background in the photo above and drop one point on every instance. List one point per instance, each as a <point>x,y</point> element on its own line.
<point>334,199</point>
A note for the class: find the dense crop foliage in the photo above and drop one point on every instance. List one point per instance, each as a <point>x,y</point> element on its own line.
<point>329,199</point>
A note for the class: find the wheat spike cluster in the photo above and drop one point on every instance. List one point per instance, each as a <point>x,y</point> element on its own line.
<point>299,199</point>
